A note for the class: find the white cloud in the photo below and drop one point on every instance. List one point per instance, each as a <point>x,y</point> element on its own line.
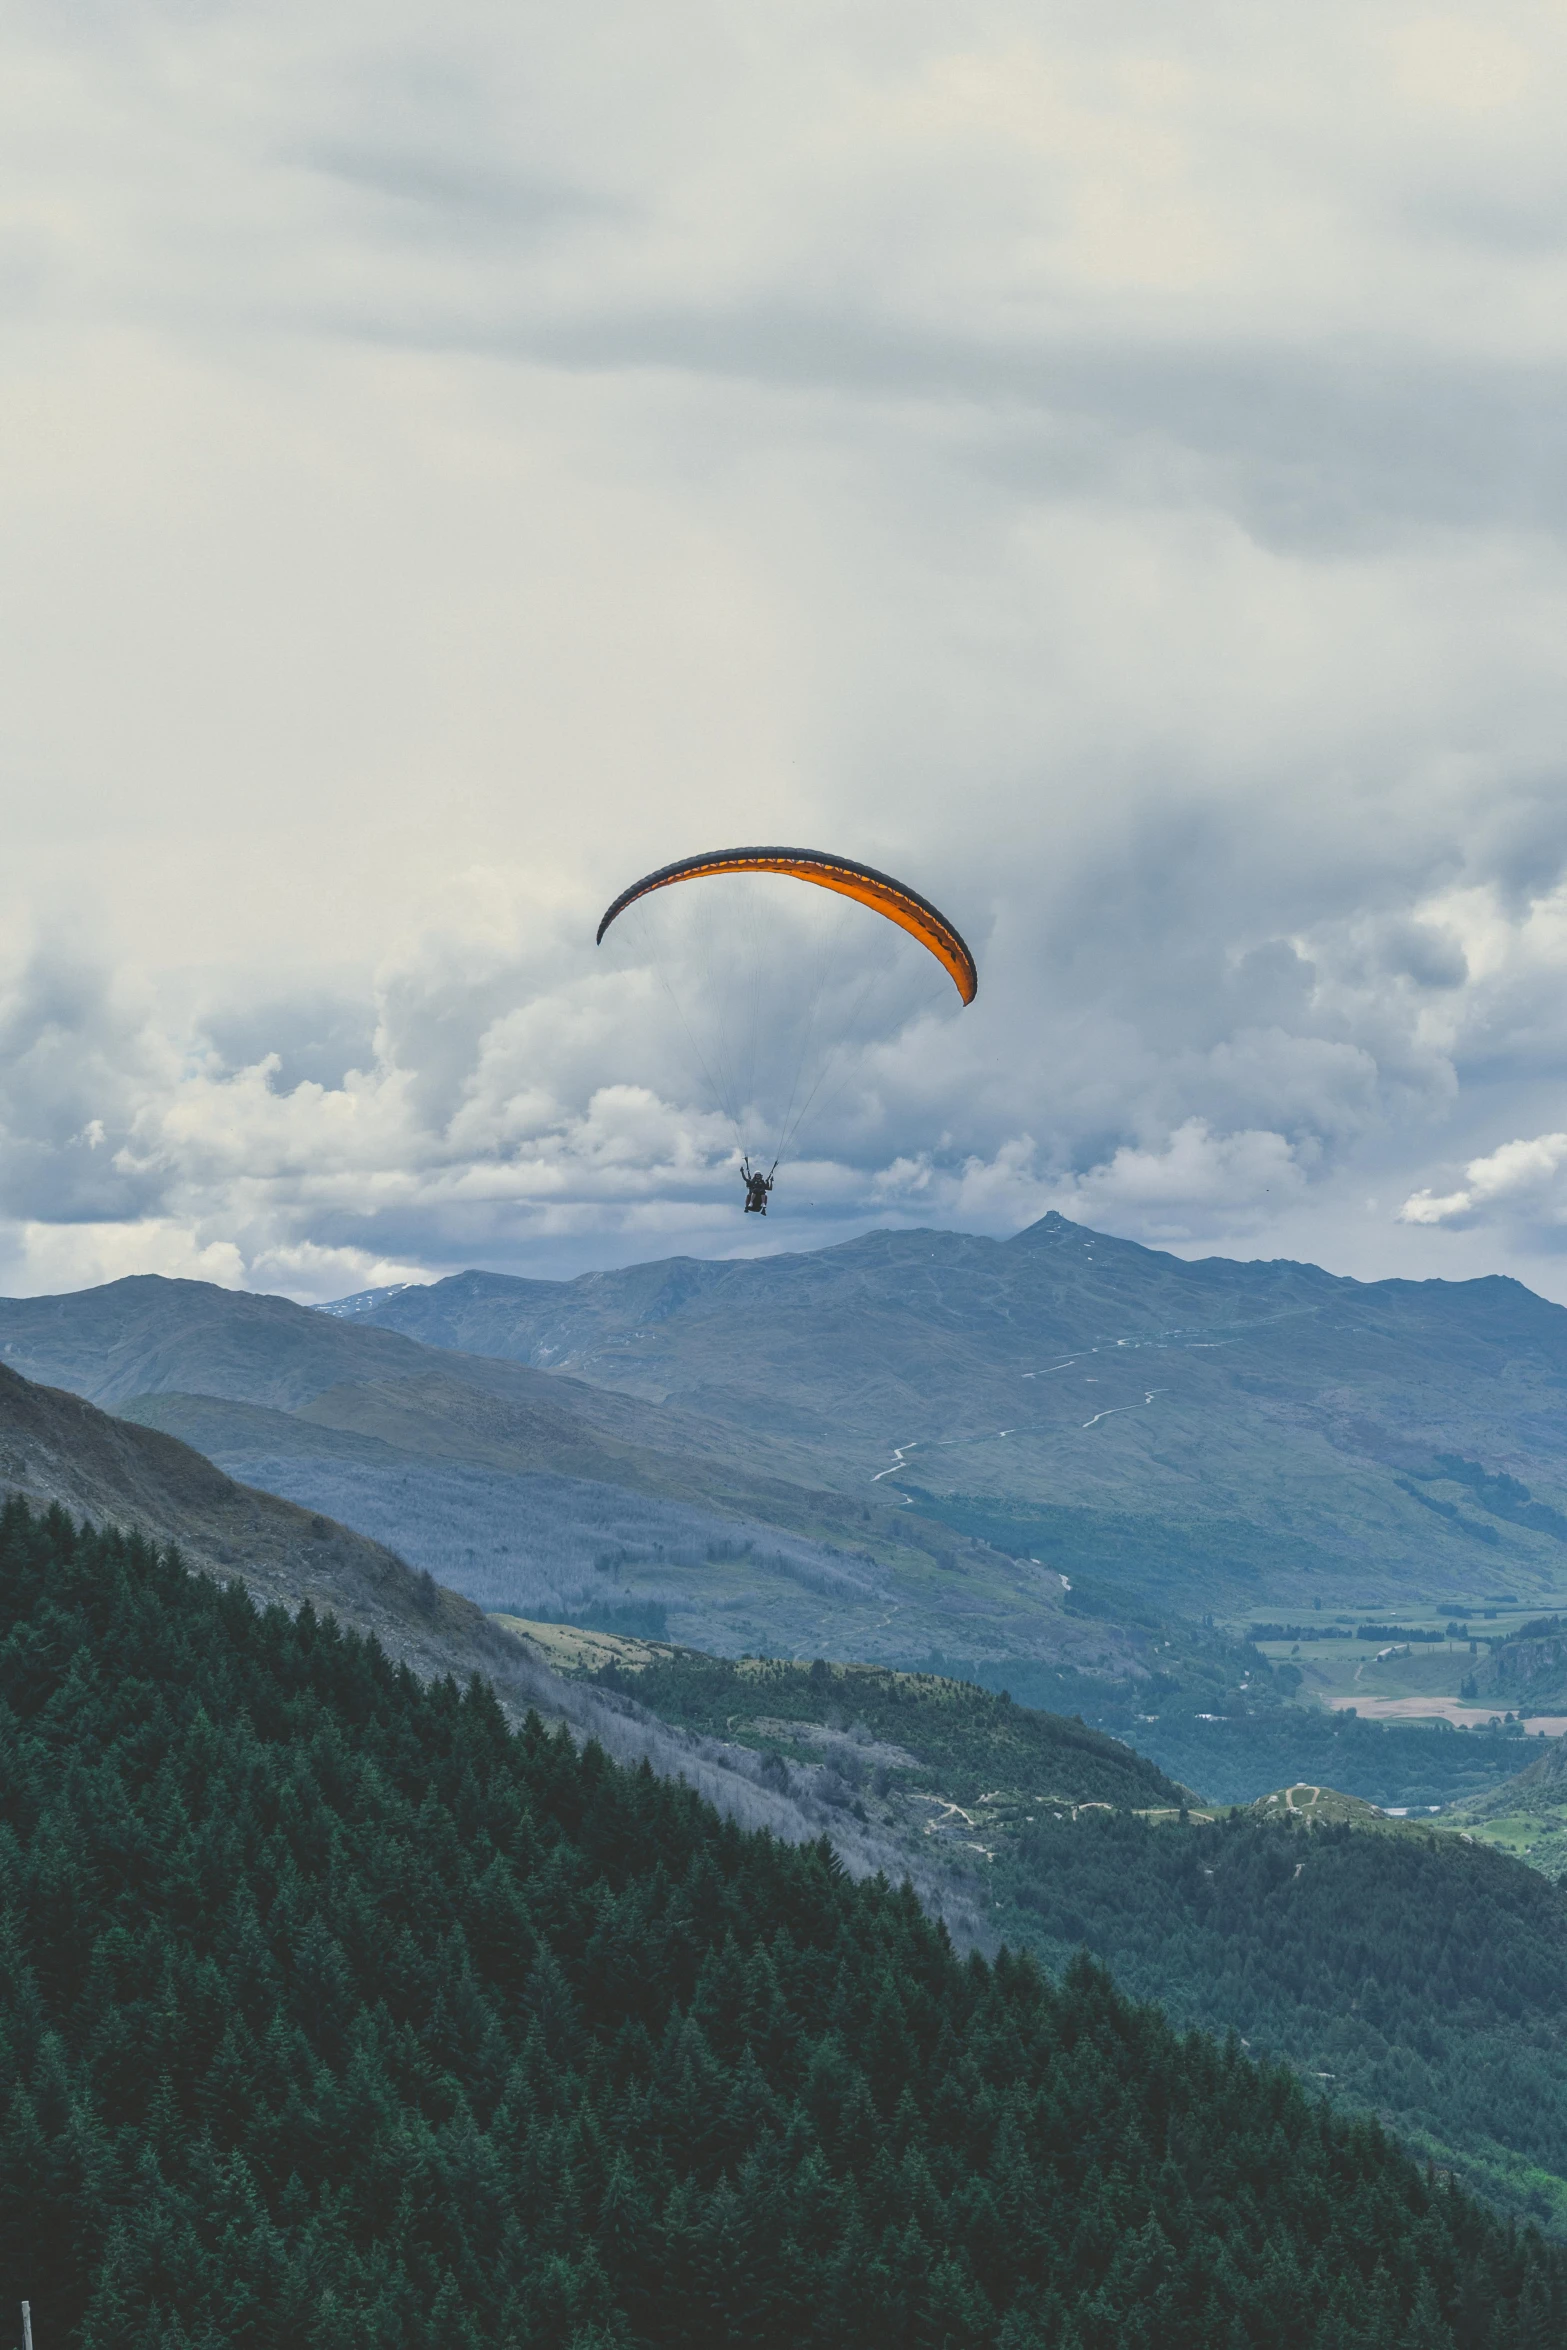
<point>1194,1186</point>
<point>1523,1181</point>
<point>1198,1184</point>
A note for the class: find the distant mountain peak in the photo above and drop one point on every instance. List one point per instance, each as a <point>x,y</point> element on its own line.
<point>1059,1229</point>
<point>365,1301</point>
<point>1052,1224</point>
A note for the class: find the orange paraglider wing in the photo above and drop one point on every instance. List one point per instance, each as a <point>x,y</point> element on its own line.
<point>879,891</point>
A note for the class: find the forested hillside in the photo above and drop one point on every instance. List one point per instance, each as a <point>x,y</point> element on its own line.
<point>1414,1974</point>
<point>334,2011</point>
<point>957,1737</point>
<point>56,1448</point>
<point>1422,1976</point>
<point>1527,1669</point>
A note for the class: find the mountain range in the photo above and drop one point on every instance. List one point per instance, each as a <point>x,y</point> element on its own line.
<point>535,1491</point>
<point>978,1799</point>
<point>1216,1435</point>
<point>1059,1447</point>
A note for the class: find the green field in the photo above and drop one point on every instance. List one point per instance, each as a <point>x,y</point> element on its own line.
<point>1334,1668</point>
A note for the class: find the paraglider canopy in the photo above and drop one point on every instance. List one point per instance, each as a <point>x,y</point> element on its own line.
<point>895,899</point>
<point>784,997</point>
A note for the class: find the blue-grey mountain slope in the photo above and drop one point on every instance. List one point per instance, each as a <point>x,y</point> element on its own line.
<point>1216,1434</point>
<point>531,1492</point>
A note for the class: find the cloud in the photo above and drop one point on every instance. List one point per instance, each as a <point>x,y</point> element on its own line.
<point>1102,468</point>
<point>1200,1183</point>
<point>1197,1185</point>
<point>1522,1182</point>
<point>77,1055</point>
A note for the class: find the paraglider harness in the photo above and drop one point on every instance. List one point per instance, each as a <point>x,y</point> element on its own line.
<point>757,1187</point>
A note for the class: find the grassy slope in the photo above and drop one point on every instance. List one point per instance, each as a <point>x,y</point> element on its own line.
<point>1526,1817</point>
<point>54,1447</point>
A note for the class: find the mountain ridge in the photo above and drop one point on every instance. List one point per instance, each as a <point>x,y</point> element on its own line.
<point>517,1485</point>
<point>959,1443</point>
<point>1308,1419</point>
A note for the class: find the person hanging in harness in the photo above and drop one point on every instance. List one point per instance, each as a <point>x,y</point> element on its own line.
<point>757,1187</point>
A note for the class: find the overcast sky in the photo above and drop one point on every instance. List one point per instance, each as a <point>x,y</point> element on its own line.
<point>1104,465</point>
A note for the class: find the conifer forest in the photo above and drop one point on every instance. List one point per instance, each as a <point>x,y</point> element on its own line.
<point>337,2011</point>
